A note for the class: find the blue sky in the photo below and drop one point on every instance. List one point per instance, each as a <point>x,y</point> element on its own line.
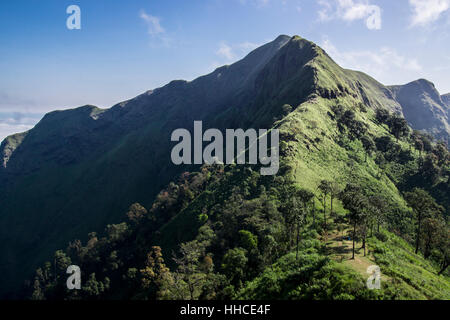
<point>127,47</point>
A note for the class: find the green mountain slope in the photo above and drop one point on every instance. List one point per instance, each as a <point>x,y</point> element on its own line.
<point>79,170</point>
<point>405,276</point>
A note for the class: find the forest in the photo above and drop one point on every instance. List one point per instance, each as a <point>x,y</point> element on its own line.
<point>227,232</point>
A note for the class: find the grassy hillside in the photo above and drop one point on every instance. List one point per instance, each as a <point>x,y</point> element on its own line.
<point>79,169</point>
<point>227,225</point>
<point>412,276</point>
<point>315,275</point>
<point>232,233</point>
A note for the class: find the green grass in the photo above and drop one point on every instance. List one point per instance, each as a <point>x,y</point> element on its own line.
<point>312,276</point>
<point>321,274</point>
<point>317,156</point>
<point>414,277</point>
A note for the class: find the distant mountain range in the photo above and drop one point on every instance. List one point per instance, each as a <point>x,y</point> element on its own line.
<point>78,170</point>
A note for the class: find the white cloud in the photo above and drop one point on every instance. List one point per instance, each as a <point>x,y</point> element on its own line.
<point>153,23</point>
<point>155,30</point>
<point>233,52</point>
<point>7,129</point>
<point>427,11</point>
<point>351,10</point>
<point>228,54</point>
<point>325,11</point>
<point>385,65</point>
<point>11,123</point>
<point>225,51</point>
<point>258,3</point>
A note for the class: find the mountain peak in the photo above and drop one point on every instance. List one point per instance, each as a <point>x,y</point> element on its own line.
<point>423,107</point>
<point>422,87</point>
<point>423,81</point>
<point>282,37</point>
<point>426,86</point>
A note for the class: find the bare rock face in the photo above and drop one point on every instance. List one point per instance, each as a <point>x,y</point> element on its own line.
<point>446,99</point>
<point>424,108</point>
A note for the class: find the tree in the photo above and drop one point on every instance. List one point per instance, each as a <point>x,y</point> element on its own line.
<point>399,126</point>
<point>188,274</point>
<point>430,169</point>
<point>430,230</point>
<point>374,215</point>
<point>62,261</point>
<point>380,160</point>
<point>136,212</point>
<point>422,141</point>
<point>378,208</point>
<point>335,190</point>
<point>443,246</point>
<point>357,129</point>
<point>155,273</point>
<point>424,206</point>
<point>75,251</point>
<point>304,198</point>
<point>286,109</point>
<point>117,232</point>
<point>248,240</point>
<point>418,144</point>
<point>94,288</point>
<point>289,207</point>
<point>384,143</point>
<point>369,146</point>
<point>38,293</point>
<point>324,188</point>
<point>362,230</point>
<point>234,264</point>
<point>440,150</point>
<point>382,115</point>
<point>356,203</point>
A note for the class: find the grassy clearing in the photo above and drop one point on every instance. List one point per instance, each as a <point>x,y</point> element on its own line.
<point>340,249</point>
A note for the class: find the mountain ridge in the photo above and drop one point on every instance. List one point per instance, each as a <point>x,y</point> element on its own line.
<point>424,108</point>
<point>80,166</point>
<point>85,166</point>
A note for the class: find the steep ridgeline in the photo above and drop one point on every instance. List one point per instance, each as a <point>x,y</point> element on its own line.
<point>424,108</point>
<point>78,170</point>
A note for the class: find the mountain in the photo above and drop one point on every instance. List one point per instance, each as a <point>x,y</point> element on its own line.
<point>446,99</point>
<point>79,170</point>
<point>424,108</point>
